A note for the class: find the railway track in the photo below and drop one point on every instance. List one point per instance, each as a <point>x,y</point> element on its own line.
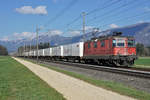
<point>126,71</point>
<point>132,72</point>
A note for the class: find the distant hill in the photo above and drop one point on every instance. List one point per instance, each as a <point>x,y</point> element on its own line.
<point>140,31</point>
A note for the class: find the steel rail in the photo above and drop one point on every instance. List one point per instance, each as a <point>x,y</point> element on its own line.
<point>131,72</point>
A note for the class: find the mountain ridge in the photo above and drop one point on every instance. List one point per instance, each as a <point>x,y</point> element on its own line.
<point>140,31</point>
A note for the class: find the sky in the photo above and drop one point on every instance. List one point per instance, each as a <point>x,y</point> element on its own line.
<point>20,18</point>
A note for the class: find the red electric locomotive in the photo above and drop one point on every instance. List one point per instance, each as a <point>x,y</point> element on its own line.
<point>111,50</point>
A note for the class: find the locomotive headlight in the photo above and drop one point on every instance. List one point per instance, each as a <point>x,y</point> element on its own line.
<point>96,40</point>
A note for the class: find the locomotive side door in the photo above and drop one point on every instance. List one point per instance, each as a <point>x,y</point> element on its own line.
<point>87,48</point>
<point>108,50</point>
<point>108,46</point>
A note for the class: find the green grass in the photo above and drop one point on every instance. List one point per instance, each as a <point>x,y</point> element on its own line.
<point>143,62</point>
<point>18,83</point>
<point>113,86</point>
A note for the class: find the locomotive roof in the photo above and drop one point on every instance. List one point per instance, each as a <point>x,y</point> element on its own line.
<point>106,37</point>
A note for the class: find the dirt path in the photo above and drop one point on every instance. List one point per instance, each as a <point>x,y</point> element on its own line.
<point>72,88</point>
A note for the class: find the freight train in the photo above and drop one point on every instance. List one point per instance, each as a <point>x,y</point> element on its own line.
<point>111,50</point>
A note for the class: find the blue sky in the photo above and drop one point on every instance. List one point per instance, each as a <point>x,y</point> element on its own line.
<point>18,18</point>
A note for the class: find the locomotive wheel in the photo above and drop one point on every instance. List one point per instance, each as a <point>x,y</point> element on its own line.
<point>116,63</point>
<point>126,64</point>
<point>100,63</point>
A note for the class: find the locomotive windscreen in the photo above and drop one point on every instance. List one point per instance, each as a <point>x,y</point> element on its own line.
<point>119,42</point>
<point>131,43</point>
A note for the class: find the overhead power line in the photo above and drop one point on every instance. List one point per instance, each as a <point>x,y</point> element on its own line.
<point>118,12</point>
<point>111,11</point>
<point>76,19</point>
<point>118,9</point>
<point>62,12</point>
<point>127,18</point>
<point>107,4</point>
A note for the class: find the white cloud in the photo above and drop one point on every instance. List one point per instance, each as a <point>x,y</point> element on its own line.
<point>141,21</point>
<point>55,1</point>
<point>88,28</point>
<point>74,33</point>
<point>29,10</point>
<point>147,9</point>
<point>5,38</point>
<point>29,35</point>
<point>19,36</point>
<point>113,26</point>
<point>53,32</point>
<point>91,29</point>
<point>80,32</point>
<point>23,35</point>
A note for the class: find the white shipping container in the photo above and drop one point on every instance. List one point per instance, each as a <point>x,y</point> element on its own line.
<point>41,52</point>
<point>29,53</point>
<point>35,53</point>
<point>78,49</point>
<point>60,51</point>
<point>57,51</point>
<point>48,52</point>
<point>75,49</point>
<point>32,53</point>
<point>54,51</point>
<point>26,53</point>
<point>67,50</point>
<point>23,54</point>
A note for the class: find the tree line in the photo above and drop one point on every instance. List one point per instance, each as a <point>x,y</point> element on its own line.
<point>27,48</point>
<point>141,50</point>
<point>3,50</point>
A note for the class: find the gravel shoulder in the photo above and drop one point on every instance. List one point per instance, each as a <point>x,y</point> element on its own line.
<point>72,88</point>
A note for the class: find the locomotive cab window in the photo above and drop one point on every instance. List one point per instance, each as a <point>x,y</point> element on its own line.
<point>114,43</point>
<point>120,42</point>
<point>102,43</point>
<point>89,45</point>
<point>131,43</point>
<point>95,44</point>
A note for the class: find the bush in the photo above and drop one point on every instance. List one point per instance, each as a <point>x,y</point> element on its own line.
<point>141,50</point>
<point>3,50</point>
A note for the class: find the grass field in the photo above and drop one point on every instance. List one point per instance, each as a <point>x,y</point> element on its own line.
<point>18,83</point>
<point>143,62</point>
<point>116,87</point>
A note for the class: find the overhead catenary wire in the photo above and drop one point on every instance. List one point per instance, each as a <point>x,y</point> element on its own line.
<point>76,19</point>
<point>62,12</point>
<point>108,13</point>
<point>111,11</point>
<point>106,5</point>
<point>128,18</point>
<point>118,12</point>
<point>59,14</point>
<point>125,5</point>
